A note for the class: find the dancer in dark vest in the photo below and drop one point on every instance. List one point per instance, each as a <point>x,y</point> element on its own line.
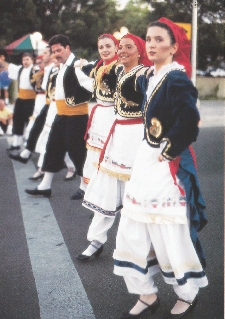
<point>24,105</point>
<point>39,122</point>
<point>73,91</point>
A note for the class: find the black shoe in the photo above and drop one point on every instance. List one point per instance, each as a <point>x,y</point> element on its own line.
<point>70,178</point>
<point>189,309</point>
<point>18,158</point>
<point>13,148</point>
<point>96,254</point>
<point>37,177</point>
<point>153,307</point>
<point>78,195</point>
<point>39,192</point>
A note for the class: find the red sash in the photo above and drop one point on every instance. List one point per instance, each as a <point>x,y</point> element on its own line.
<point>174,165</point>
<point>91,116</point>
<point>121,122</point>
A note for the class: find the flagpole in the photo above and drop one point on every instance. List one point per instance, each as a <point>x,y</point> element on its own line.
<point>194,39</point>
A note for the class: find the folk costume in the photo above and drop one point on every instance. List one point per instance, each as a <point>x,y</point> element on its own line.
<point>24,104</point>
<point>105,190</point>
<point>102,114</point>
<point>50,116</point>
<point>39,80</point>
<point>41,117</point>
<point>163,208</point>
<point>72,93</point>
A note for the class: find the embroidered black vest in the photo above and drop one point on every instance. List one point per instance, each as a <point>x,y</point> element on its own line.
<point>105,81</point>
<point>50,88</point>
<point>74,92</point>
<point>128,101</point>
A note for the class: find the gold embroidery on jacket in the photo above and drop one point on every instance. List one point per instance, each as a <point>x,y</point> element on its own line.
<point>156,127</point>
<point>70,101</point>
<point>102,90</point>
<point>122,101</point>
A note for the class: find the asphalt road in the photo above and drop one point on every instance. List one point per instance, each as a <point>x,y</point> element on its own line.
<point>39,239</point>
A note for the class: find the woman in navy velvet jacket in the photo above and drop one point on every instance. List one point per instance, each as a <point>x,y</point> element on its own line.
<point>163,208</point>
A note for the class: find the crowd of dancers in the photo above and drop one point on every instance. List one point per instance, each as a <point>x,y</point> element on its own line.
<point>131,150</point>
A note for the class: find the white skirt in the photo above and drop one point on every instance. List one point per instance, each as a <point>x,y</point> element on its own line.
<point>151,195</point>
<point>101,123</point>
<point>121,150</point>
<point>104,194</point>
<point>90,164</point>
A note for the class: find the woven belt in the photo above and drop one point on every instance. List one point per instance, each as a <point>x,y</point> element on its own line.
<point>91,117</point>
<point>120,122</point>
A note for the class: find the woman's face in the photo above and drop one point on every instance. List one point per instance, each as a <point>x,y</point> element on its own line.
<point>128,53</point>
<point>107,49</point>
<point>158,46</point>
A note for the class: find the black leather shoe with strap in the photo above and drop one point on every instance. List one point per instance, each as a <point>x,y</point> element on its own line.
<point>95,254</point>
<point>13,148</point>
<point>150,308</point>
<point>183,314</point>
<point>35,178</point>
<point>78,195</point>
<point>39,192</point>
<point>18,158</point>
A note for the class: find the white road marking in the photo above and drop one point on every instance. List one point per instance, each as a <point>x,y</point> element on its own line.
<point>60,290</point>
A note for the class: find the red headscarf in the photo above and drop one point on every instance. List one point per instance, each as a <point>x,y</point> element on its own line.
<point>111,37</point>
<point>182,56</point>
<point>140,44</point>
<point>108,35</point>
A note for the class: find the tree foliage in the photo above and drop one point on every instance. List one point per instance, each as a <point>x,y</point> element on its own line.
<point>211,17</point>
<point>84,20</point>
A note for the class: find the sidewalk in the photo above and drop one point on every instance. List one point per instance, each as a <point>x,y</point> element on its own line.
<point>212,113</point>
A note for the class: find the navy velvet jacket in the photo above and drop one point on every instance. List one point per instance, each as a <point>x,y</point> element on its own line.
<point>170,114</point>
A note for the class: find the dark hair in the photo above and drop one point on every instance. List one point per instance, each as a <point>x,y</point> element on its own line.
<point>60,39</point>
<point>3,53</point>
<point>164,26</point>
<point>102,36</point>
<point>27,54</point>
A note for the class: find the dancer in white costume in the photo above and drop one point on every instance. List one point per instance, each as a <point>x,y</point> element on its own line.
<point>105,190</point>
<point>43,138</point>
<point>163,206</point>
<point>40,98</point>
<point>102,114</point>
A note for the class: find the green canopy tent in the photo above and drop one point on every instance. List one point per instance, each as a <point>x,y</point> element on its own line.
<point>15,49</point>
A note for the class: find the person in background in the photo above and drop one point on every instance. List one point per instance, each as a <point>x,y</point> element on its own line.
<point>5,117</point>
<point>39,122</point>
<point>4,77</point>
<point>163,208</point>
<point>40,99</point>
<point>24,104</point>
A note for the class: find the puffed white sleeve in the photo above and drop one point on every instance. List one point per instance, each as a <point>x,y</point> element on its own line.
<point>84,80</point>
<point>13,70</point>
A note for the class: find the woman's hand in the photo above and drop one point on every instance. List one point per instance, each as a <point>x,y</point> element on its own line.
<point>161,158</point>
<point>80,63</point>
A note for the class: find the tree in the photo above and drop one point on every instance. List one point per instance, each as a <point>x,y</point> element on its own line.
<point>211,17</point>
